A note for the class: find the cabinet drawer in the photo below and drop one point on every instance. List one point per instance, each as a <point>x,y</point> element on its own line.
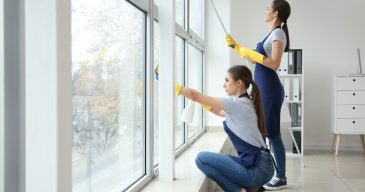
<point>350,111</point>
<point>350,83</point>
<point>350,125</point>
<point>350,97</point>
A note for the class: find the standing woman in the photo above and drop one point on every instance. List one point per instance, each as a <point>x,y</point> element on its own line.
<point>244,124</point>
<point>268,58</point>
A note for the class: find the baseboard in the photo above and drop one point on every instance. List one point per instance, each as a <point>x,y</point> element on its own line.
<point>328,147</point>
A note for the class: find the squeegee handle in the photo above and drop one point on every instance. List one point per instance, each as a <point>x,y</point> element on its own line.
<point>219,18</point>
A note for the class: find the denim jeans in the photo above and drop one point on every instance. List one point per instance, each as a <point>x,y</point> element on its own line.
<point>279,154</point>
<point>232,176</point>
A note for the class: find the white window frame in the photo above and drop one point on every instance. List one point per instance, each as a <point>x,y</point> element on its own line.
<point>142,4</point>
<point>148,101</point>
<point>2,130</point>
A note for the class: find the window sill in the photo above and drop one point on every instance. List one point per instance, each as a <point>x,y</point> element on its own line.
<point>188,176</point>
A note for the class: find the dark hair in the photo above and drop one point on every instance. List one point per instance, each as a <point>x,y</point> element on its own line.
<point>283,9</point>
<point>241,72</point>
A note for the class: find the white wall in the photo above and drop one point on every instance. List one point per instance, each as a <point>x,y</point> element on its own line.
<point>329,36</point>
<point>216,55</point>
<point>328,31</point>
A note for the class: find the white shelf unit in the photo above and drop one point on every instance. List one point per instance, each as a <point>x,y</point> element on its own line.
<point>291,74</point>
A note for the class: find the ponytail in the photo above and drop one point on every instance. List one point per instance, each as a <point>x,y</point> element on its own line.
<point>286,30</point>
<point>256,97</point>
<point>283,9</point>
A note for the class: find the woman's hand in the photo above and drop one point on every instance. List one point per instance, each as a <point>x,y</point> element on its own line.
<point>245,52</point>
<point>178,88</point>
<point>207,102</point>
<point>230,41</point>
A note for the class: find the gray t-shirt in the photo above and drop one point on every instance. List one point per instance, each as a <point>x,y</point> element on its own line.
<point>276,35</point>
<point>241,118</point>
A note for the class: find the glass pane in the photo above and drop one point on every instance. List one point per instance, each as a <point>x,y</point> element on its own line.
<point>157,2</point>
<point>155,92</point>
<point>107,71</point>
<point>196,17</point>
<point>179,101</point>
<point>180,12</point>
<point>195,81</point>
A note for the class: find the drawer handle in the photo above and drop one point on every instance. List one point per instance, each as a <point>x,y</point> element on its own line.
<point>353,80</point>
<point>353,122</point>
<point>353,108</point>
<point>353,94</point>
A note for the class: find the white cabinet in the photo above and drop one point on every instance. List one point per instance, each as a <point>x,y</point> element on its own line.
<point>349,107</point>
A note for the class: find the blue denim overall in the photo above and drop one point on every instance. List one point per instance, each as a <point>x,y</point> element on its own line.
<point>272,95</point>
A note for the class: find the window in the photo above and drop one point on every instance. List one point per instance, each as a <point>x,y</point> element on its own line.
<point>179,101</point>
<point>156,52</point>
<point>195,81</point>
<point>189,66</point>
<point>196,17</point>
<point>189,50</point>
<point>2,90</point>
<point>108,58</point>
<point>180,12</point>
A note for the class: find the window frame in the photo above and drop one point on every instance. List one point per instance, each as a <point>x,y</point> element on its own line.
<point>184,99</point>
<point>2,125</point>
<point>147,132</point>
<point>191,32</point>
<point>150,170</point>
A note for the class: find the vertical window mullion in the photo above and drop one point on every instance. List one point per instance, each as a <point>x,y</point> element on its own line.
<point>186,84</point>
<point>2,130</point>
<point>149,147</point>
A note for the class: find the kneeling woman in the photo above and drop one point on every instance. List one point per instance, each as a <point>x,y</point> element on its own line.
<point>244,124</point>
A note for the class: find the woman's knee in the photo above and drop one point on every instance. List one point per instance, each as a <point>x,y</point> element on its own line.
<point>200,158</point>
<point>203,158</point>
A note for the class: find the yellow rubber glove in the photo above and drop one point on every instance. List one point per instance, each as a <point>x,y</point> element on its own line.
<point>243,51</point>
<point>230,41</point>
<point>178,88</point>
<point>206,107</point>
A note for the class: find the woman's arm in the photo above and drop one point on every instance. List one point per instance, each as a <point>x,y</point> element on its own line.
<point>251,55</point>
<point>276,54</point>
<point>220,113</point>
<point>215,103</point>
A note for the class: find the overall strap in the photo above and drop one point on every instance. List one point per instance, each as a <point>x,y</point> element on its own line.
<point>271,157</point>
<point>244,95</point>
